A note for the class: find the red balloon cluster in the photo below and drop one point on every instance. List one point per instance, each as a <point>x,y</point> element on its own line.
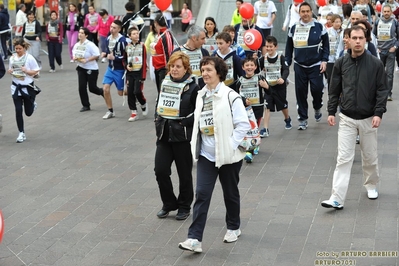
<point>345,2</point>
<point>300,1</point>
<point>253,39</point>
<point>162,4</point>
<point>247,10</point>
<point>40,3</point>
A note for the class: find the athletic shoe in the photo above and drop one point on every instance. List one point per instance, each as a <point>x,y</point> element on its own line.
<point>61,66</point>
<point>109,115</point>
<point>21,137</point>
<point>248,157</point>
<point>71,61</point>
<point>288,124</point>
<point>231,236</point>
<point>372,193</point>
<point>389,98</point>
<point>192,245</point>
<point>332,204</point>
<point>303,125</point>
<point>256,150</point>
<point>397,69</point>
<point>357,139</point>
<point>144,108</point>
<point>133,117</point>
<point>52,70</point>
<point>317,115</point>
<point>34,106</point>
<point>1,123</point>
<point>264,132</point>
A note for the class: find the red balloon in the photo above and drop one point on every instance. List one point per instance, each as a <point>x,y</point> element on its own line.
<point>163,4</point>
<point>1,225</point>
<point>345,2</point>
<point>247,10</point>
<point>300,1</point>
<point>322,2</point>
<point>253,39</point>
<point>378,7</point>
<point>40,3</point>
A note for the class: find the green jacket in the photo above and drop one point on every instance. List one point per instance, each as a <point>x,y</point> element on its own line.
<point>236,19</point>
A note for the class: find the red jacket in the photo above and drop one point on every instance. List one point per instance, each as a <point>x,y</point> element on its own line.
<point>163,49</point>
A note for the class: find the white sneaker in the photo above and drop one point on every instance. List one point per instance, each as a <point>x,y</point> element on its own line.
<point>109,115</point>
<point>192,245</point>
<point>71,61</point>
<point>332,204</point>
<point>52,70</point>
<point>397,69</point>
<point>372,193</point>
<point>144,108</point>
<point>231,236</point>
<point>21,137</point>
<point>1,123</point>
<point>61,66</point>
<point>133,117</point>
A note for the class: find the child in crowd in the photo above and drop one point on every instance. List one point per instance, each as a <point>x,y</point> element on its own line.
<point>276,76</point>
<point>225,52</point>
<point>239,51</point>
<point>252,88</point>
<point>329,21</point>
<point>135,59</point>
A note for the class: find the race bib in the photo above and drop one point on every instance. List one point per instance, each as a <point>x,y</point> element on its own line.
<point>206,117</point>
<point>301,35</point>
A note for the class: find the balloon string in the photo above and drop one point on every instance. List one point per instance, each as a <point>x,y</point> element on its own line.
<point>134,16</point>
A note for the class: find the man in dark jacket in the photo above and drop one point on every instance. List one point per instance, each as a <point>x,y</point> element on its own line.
<point>359,84</point>
<point>4,29</point>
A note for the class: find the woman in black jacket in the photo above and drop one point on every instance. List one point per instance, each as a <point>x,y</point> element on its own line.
<point>174,125</point>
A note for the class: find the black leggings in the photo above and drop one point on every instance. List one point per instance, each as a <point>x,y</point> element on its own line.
<point>20,101</point>
<point>134,91</point>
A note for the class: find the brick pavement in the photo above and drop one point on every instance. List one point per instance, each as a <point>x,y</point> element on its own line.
<point>81,191</point>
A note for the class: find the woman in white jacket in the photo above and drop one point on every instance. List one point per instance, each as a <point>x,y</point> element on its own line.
<point>220,125</point>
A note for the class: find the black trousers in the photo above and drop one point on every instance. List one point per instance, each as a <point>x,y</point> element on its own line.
<point>93,37</point>
<point>134,91</point>
<point>207,175</point>
<point>54,52</point>
<point>3,40</point>
<point>166,153</point>
<point>89,77</point>
<point>159,77</point>
<point>24,102</point>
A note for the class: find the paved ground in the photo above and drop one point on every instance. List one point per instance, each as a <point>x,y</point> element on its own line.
<point>82,191</point>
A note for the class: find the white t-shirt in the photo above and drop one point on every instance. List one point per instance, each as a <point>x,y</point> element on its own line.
<point>86,50</point>
<point>30,64</point>
<point>264,11</point>
<point>168,15</point>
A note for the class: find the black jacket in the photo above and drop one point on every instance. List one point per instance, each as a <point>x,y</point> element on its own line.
<point>78,24</point>
<point>180,130</point>
<point>38,31</point>
<point>4,20</point>
<point>359,85</point>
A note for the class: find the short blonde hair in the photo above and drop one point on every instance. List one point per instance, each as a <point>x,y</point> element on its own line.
<point>184,58</point>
